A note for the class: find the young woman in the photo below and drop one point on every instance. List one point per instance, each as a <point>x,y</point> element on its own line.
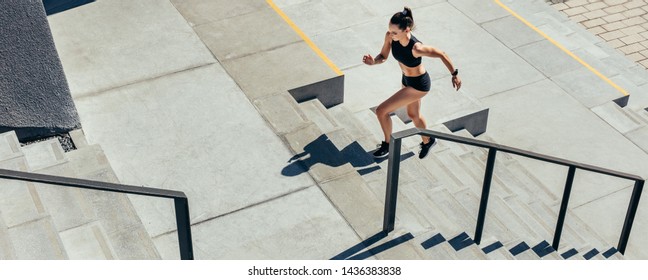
<point>416,82</point>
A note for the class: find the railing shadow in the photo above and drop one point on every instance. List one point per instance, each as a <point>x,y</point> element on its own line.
<point>354,253</point>
<point>323,151</point>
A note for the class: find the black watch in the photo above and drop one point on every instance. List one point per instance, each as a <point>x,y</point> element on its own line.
<point>456,72</point>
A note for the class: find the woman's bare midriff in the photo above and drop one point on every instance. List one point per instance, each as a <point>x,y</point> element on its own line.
<point>412,71</point>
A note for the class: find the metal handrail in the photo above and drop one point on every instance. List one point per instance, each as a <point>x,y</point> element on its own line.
<point>394,166</point>
<point>180,199</point>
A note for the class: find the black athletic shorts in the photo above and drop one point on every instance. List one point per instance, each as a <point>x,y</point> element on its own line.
<point>421,83</point>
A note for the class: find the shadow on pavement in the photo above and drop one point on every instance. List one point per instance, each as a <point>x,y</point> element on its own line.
<point>323,151</point>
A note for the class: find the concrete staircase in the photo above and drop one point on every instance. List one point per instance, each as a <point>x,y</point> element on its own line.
<point>39,221</point>
<point>438,196</point>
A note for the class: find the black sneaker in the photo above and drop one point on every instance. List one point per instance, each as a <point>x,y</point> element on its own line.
<point>382,151</point>
<point>425,148</point>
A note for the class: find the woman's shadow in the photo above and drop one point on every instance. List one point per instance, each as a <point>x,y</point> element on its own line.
<point>322,150</point>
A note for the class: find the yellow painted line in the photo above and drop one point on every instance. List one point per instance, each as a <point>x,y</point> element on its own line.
<point>305,38</point>
<point>597,73</point>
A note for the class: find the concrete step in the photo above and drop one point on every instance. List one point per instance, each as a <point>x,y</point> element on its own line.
<point>494,227</point>
<point>282,112</point>
<point>44,154</point>
<point>78,138</point>
<point>37,240</point>
<point>356,203</point>
<point>460,219</point>
<point>535,187</point>
<point>549,217</point>
<point>316,113</point>
<point>347,120</point>
<point>7,251</point>
<point>622,120</point>
<point>9,146</point>
<point>88,242</point>
<point>19,201</point>
<point>90,224</point>
<point>434,246</point>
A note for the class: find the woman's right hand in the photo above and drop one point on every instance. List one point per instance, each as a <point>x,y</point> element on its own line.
<point>368,59</point>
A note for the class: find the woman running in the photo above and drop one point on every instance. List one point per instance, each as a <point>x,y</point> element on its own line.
<point>416,82</point>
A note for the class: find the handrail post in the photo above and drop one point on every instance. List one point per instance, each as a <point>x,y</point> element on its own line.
<point>391,193</point>
<point>630,215</point>
<point>488,177</point>
<point>563,207</point>
<point>184,228</point>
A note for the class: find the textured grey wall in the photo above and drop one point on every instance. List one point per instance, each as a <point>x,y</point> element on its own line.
<point>35,99</point>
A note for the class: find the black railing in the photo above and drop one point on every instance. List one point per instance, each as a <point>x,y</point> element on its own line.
<point>394,167</point>
<point>180,199</point>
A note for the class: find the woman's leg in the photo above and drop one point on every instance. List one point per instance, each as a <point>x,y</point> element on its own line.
<point>414,112</point>
<point>401,98</point>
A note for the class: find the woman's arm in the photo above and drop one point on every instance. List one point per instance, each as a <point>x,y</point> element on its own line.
<point>423,50</point>
<point>382,56</point>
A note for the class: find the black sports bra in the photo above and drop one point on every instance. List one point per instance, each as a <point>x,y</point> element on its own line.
<point>404,54</point>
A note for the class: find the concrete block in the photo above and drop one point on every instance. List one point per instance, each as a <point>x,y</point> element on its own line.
<point>78,138</point>
<point>9,146</point>
<point>329,92</point>
<point>44,154</point>
<point>475,123</point>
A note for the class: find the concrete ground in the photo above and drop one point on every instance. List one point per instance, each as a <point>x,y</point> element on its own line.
<point>165,87</point>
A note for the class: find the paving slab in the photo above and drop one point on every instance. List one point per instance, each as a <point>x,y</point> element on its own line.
<point>316,17</point>
<point>116,44</point>
<point>257,74</point>
<point>511,31</point>
<point>231,37</point>
<point>198,12</point>
<point>480,11</point>
<point>300,225</point>
<point>178,132</point>
<point>547,58</point>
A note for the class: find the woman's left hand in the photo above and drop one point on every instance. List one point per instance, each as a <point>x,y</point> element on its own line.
<point>456,82</point>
